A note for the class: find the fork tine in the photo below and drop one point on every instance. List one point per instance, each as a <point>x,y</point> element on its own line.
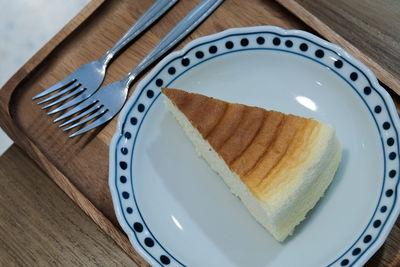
<point>91,117</point>
<point>77,91</point>
<point>63,91</point>
<point>94,124</point>
<point>70,103</point>
<point>90,110</point>
<point>55,87</point>
<point>76,109</point>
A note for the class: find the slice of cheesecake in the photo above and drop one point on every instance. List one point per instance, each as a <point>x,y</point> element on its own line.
<point>279,165</point>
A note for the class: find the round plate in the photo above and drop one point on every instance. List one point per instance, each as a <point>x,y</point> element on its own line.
<point>177,211</point>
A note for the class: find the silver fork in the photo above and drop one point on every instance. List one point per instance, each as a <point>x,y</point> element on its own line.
<point>106,102</point>
<point>84,81</point>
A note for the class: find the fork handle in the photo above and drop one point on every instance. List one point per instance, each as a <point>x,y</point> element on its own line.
<point>183,28</point>
<point>151,15</point>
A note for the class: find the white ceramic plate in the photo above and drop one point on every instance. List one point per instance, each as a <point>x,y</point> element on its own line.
<point>177,211</point>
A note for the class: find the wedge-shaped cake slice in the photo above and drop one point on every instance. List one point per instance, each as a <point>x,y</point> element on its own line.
<point>279,165</point>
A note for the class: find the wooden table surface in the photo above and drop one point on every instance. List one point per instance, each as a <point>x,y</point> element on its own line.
<point>40,225</point>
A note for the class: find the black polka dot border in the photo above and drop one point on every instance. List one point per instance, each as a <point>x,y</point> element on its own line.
<point>171,70</point>
<point>150,93</point>
<point>199,54</point>
<point>304,47</point>
<point>159,82</point>
<point>319,53</point>
<point>276,41</point>
<point>128,135</point>
<point>149,242</point>
<point>356,251</point>
<point>367,239</point>
<point>288,43</point>
<point>344,262</point>
<point>390,141</point>
<point>353,76</point>
<point>213,49</point>
<point>185,62</point>
<point>338,63</point>
<point>244,42</point>
<point>138,227</point>
<point>229,44</point>
<point>123,165</point>
<point>165,260</point>
<point>260,40</point>
<point>141,107</point>
<point>124,151</point>
<point>377,223</point>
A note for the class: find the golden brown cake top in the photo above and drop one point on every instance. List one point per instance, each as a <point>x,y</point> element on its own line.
<point>255,143</point>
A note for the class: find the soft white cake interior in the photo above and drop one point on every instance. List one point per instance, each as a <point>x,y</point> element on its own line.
<point>290,202</point>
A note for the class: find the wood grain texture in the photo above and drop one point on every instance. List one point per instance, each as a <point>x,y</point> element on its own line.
<point>369,30</point>
<point>41,226</point>
<point>80,165</point>
<point>85,159</point>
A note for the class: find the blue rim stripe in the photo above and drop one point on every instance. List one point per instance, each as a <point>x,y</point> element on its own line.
<point>133,191</point>
<point>123,214</point>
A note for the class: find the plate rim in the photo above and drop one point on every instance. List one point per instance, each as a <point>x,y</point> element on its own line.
<point>390,219</point>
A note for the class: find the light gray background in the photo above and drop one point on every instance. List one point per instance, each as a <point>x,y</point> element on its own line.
<point>25,26</point>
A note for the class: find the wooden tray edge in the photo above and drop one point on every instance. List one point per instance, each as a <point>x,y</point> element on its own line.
<point>324,30</point>
<point>6,122</point>
<point>62,181</point>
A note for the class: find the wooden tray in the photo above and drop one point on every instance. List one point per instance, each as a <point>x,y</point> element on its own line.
<point>80,165</point>
<point>368,29</point>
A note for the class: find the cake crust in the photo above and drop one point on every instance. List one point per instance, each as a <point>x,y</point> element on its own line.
<point>277,157</point>
<point>252,141</point>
